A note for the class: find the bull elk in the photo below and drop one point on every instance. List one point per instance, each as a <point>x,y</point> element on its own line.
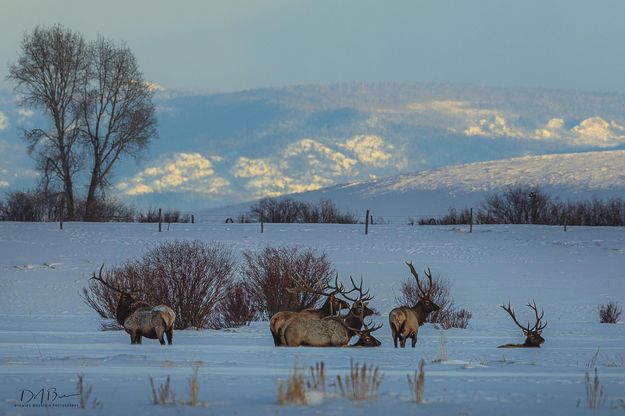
<point>405,321</point>
<point>140,319</point>
<point>331,306</point>
<point>533,338</point>
<point>334,331</point>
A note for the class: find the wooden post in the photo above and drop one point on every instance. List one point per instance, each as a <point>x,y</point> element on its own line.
<point>192,219</point>
<point>471,221</point>
<point>367,223</point>
<point>262,224</point>
<point>160,220</point>
<point>61,214</point>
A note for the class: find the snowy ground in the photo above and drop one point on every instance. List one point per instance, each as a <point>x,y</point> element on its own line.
<point>48,336</point>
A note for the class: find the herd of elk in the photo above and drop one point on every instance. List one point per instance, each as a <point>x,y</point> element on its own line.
<point>320,327</point>
<point>330,307</point>
<point>533,338</point>
<point>334,331</point>
<point>140,319</point>
<point>405,320</point>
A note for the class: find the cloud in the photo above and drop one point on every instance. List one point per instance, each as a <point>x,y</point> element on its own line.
<point>25,113</point>
<point>309,164</point>
<point>4,121</point>
<point>554,129</point>
<point>370,150</point>
<point>181,172</point>
<point>595,131</point>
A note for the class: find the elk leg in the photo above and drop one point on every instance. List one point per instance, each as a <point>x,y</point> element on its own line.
<point>394,334</point>
<point>414,340</point>
<point>276,339</point>
<point>132,338</point>
<point>170,335</point>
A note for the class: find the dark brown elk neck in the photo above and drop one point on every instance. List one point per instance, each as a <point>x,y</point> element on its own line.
<point>352,322</point>
<point>420,311</point>
<point>124,308</point>
<point>326,308</point>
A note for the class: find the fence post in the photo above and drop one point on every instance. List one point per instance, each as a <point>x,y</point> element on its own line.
<point>262,224</point>
<point>367,223</point>
<point>192,219</point>
<point>160,220</point>
<point>61,213</point>
<point>471,221</point>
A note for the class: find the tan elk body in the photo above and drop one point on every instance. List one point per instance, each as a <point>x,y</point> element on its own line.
<point>405,321</point>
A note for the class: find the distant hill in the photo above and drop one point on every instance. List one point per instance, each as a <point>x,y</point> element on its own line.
<point>223,148</point>
<point>431,193</point>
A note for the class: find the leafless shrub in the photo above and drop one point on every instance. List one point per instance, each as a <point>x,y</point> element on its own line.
<point>287,210</point>
<point>452,218</point>
<point>609,313</point>
<point>163,395</point>
<point>168,216</point>
<point>448,316</point>
<point>190,277</point>
<point>362,382</point>
<point>237,308</point>
<point>269,274</point>
<point>295,388</point>
<point>417,384</point>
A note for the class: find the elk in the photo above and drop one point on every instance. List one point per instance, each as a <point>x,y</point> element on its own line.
<point>331,306</point>
<point>533,338</point>
<point>334,331</point>
<point>405,321</point>
<point>139,319</point>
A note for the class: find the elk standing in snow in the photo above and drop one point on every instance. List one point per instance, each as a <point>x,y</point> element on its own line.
<point>405,321</point>
<point>139,319</point>
<point>533,338</point>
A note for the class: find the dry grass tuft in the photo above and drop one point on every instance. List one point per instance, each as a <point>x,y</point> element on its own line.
<point>163,395</point>
<point>417,384</point>
<point>295,388</point>
<point>317,381</point>
<point>594,391</point>
<point>362,382</point>
<point>610,313</point>
<point>84,393</point>
<point>194,389</point>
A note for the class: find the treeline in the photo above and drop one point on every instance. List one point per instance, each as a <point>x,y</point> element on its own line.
<point>288,210</point>
<point>37,205</point>
<point>530,205</point>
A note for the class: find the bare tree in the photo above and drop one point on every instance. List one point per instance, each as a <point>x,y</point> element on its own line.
<point>118,116</point>
<point>48,75</point>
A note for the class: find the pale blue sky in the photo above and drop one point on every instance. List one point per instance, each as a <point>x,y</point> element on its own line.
<point>232,45</point>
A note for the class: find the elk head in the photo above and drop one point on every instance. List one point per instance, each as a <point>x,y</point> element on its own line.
<point>125,303</point>
<point>532,334</point>
<point>425,296</point>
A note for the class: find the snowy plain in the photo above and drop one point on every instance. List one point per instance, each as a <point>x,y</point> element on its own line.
<point>48,335</point>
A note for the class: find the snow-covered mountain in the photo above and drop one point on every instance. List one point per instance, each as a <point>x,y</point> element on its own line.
<point>431,193</point>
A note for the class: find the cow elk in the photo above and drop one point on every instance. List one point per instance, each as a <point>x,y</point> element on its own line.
<point>405,321</point>
<point>140,319</point>
<point>331,306</point>
<point>334,331</point>
<point>533,338</point>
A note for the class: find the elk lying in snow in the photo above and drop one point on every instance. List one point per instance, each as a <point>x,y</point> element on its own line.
<point>333,331</point>
<point>331,306</point>
<point>405,321</point>
<point>533,338</point>
<point>140,319</point>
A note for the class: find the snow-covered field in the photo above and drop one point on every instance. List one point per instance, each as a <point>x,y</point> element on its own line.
<point>48,336</point>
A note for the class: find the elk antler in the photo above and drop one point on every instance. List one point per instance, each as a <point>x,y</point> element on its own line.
<point>428,274</point>
<point>511,313</point>
<point>301,287</point>
<point>538,326</point>
<point>362,296</point>
<point>104,282</point>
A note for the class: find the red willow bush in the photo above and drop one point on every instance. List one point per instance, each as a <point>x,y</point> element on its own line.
<point>191,277</point>
<point>269,271</point>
